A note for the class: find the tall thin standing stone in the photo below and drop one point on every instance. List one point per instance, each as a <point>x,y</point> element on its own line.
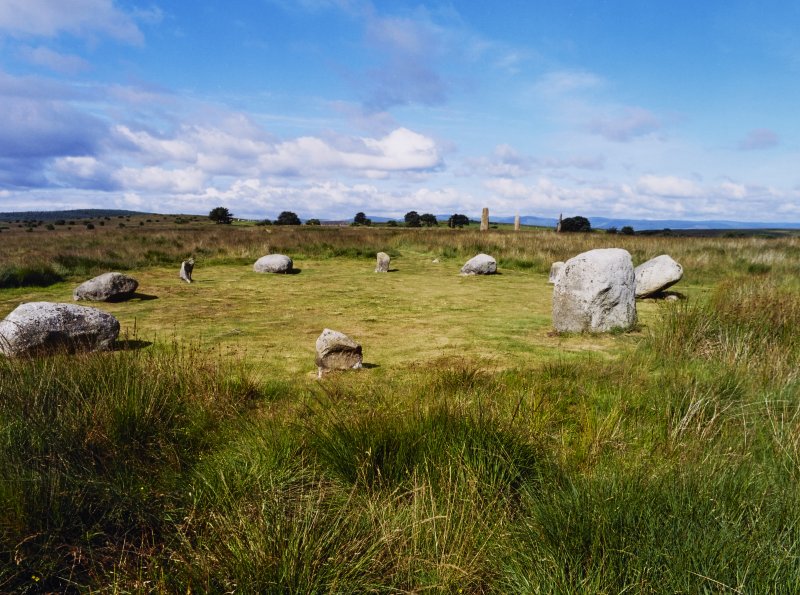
<point>187,266</point>
<point>485,219</point>
<point>558,227</point>
<point>516,223</point>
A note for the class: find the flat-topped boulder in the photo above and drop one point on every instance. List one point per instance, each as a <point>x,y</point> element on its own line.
<point>337,351</point>
<point>656,275</point>
<point>108,287</point>
<point>594,292</point>
<point>482,264</point>
<point>36,328</point>
<point>555,269</point>
<point>382,265</point>
<point>273,263</point>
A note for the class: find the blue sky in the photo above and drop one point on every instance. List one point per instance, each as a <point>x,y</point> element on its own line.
<point>626,108</point>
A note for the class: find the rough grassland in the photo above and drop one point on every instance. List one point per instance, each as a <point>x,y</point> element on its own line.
<point>477,453</point>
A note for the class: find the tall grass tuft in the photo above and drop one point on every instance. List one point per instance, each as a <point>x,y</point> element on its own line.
<point>91,449</point>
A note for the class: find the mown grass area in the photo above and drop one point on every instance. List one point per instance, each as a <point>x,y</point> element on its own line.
<point>481,455</point>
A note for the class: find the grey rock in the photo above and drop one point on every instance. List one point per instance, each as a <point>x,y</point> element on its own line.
<point>106,287</point>
<point>43,327</point>
<point>336,351</point>
<point>273,263</point>
<point>187,266</point>
<point>555,269</point>
<point>595,292</point>
<point>656,275</point>
<point>383,263</point>
<point>482,264</point>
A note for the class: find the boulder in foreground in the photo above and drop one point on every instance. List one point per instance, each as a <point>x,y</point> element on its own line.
<point>37,328</point>
<point>656,275</point>
<point>595,292</point>
<point>106,288</point>
<point>337,351</point>
<point>482,264</point>
<point>273,263</point>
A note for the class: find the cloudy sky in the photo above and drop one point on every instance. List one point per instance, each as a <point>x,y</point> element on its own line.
<point>622,108</point>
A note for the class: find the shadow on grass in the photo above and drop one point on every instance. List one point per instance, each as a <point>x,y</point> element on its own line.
<point>370,366</point>
<point>131,344</point>
<point>142,297</point>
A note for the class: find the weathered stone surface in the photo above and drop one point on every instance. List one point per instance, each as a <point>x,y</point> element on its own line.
<point>187,266</point>
<point>273,263</point>
<point>482,264</point>
<point>595,292</point>
<point>106,287</point>
<point>383,263</point>
<point>656,275</point>
<point>555,269</point>
<point>337,351</point>
<point>42,327</point>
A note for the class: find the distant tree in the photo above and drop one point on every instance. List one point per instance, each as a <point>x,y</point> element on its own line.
<point>287,218</point>
<point>612,230</point>
<point>457,220</point>
<point>50,227</point>
<point>576,224</point>
<point>627,230</point>
<point>428,220</point>
<point>221,215</point>
<point>264,222</point>
<point>391,223</point>
<point>90,225</point>
<point>312,222</point>
<point>412,219</point>
<point>361,219</point>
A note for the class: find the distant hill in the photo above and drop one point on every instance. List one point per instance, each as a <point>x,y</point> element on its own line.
<point>69,214</point>
<point>649,224</point>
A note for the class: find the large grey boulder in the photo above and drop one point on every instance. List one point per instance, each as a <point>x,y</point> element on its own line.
<point>555,269</point>
<point>383,263</point>
<point>656,275</point>
<point>482,264</point>
<point>336,351</point>
<point>43,327</point>
<point>106,287</point>
<point>273,263</point>
<point>595,292</point>
<point>187,266</point>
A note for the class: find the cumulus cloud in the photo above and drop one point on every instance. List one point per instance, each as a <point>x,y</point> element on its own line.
<point>669,186</point>
<point>760,138</point>
<point>506,161</point>
<point>55,61</point>
<point>49,18</point>
<point>634,122</point>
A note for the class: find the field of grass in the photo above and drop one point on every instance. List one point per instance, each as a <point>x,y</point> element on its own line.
<point>478,452</point>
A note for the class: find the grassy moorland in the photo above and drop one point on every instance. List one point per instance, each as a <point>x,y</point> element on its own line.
<point>477,453</point>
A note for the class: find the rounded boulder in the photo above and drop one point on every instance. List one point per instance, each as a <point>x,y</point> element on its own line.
<point>482,264</point>
<point>273,263</point>
<point>107,287</point>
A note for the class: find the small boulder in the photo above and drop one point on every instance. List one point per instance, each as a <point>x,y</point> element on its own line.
<point>482,264</point>
<point>383,263</point>
<point>555,269</point>
<point>656,275</point>
<point>595,292</point>
<point>43,327</point>
<point>273,263</point>
<point>337,351</point>
<point>106,288</point>
<point>187,266</point>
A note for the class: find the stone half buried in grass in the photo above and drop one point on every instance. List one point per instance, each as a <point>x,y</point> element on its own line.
<point>107,287</point>
<point>37,328</point>
<point>382,265</point>
<point>482,264</point>
<point>656,275</point>
<point>336,351</point>
<point>594,292</point>
<point>273,263</point>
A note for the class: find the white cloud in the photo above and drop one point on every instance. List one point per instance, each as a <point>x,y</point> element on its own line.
<point>49,18</point>
<point>669,186</point>
<point>157,179</point>
<point>633,122</point>
<point>760,138</point>
<point>563,82</point>
<point>55,61</point>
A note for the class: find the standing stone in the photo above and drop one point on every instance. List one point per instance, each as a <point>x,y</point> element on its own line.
<point>273,263</point>
<point>482,264</point>
<point>187,266</point>
<point>656,275</point>
<point>555,269</point>
<point>38,328</point>
<point>383,263</point>
<point>336,351</point>
<point>516,223</point>
<point>485,219</point>
<point>106,287</point>
<point>595,292</point>
<point>558,225</point>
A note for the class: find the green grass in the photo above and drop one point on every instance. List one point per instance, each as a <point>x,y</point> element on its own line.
<point>479,452</point>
